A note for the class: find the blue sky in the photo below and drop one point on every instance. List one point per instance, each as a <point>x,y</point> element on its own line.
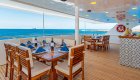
<point>18,19</point>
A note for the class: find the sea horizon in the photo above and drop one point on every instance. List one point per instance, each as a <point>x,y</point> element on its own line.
<point>25,33</point>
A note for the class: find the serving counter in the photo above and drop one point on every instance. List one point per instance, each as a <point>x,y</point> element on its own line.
<point>130,51</point>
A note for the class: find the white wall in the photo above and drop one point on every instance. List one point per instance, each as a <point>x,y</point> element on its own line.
<point>114,33</point>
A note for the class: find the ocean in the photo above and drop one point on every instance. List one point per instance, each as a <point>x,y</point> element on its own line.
<point>25,33</point>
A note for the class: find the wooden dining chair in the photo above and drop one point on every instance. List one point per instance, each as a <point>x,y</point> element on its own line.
<point>8,58</point>
<point>11,56</point>
<point>29,69</point>
<point>75,63</point>
<point>104,43</point>
<point>86,43</point>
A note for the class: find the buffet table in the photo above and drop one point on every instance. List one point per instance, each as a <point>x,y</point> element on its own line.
<point>130,51</point>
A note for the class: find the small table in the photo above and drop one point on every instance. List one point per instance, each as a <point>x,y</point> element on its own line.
<point>93,42</point>
<point>52,57</point>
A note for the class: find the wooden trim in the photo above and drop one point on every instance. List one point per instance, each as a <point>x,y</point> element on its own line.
<point>130,37</point>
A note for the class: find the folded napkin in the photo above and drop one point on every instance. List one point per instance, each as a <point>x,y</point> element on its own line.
<point>31,47</point>
<point>29,42</point>
<point>22,44</point>
<point>40,49</point>
<point>64,48</point>
<point>99,36</point>
<point>63,44</point>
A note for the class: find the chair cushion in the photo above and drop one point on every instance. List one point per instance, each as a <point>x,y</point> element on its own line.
<point>99,43</point>
<point>37,69</point>
<point>64,68</point>
<point>88,43</point>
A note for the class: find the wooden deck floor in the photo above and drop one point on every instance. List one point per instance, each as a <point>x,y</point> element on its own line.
<point>101,65</point>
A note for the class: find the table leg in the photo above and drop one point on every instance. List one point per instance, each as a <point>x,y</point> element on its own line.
<point>65,78</point>
<point>53,74</point>
<point>94,47</point>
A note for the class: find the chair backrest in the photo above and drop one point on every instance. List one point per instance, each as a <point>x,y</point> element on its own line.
<point>11,51</point>
<point>25,56</point>
<point>70,42</point>
<point>24,61</point>
<point>8,51</point>
<point>105,39</point>
<point>57,40</point>
<point>24,40</point>
<point>76,54</point>
<point>86,37</point>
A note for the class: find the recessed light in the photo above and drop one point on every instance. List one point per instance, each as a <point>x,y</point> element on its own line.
<point>134,8</point>
<point>81,9</point>
<point>134,15</point>
<point>93,3</point>
<point>63,0</point>
<point>88,10</point>
<point>106,12</point>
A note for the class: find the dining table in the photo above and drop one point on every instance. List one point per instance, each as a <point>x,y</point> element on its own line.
<point>53,57</point>
<point>93,43</point>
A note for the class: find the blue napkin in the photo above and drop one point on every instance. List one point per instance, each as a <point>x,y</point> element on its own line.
<point>63,44</point>
<point>99,36</point>
<point>40,49</point>
<point>22,44</point>
<point>29,42</point>
<point>31,47</point>
<point>64,48</point>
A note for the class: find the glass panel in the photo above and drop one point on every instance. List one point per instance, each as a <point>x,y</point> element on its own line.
<point>57,25</point>
<point>16,23</point>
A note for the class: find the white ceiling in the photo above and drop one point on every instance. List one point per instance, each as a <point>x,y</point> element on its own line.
<point>98,10</point>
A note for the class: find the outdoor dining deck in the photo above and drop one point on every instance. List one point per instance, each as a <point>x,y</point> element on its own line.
<point>101,65</point>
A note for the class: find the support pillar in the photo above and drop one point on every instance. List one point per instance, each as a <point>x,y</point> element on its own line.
<point>77,36</point>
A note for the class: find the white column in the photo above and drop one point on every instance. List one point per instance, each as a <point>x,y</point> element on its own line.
<point>77,37</point>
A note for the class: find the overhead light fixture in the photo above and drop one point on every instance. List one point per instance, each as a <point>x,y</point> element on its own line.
<point>93,3</point>
<point>65,2</point>
<point>106,12</point>
<point>88,10</point>
<point>81,9</point>
<point>134,15</point>
<point>134,8</point>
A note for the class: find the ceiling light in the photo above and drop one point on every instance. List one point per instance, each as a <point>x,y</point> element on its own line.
<point>65,2</point>
<point>81,9</point>
<point>106,12</point>
<point>134,15</point>
<point>93,3</point>
<point>88,10</point>
<point>134,8</point>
